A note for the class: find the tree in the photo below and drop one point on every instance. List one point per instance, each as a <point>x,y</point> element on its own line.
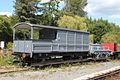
<point>5,29</point>
<point>72,22</point>
<point>13,20</point>
<point>34,11</point>
<point>109,38</point>
<point>75,7</point>
<point>25,10</point>
<point>49,12</point>
<point>99,28</point>
<point>118,37</point>
<point>91,38</point>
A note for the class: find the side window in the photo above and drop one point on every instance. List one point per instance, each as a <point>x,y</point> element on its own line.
<point>44,34</point>
<point>49,34</point>
<point>36,34</point>
<point>22,34</point>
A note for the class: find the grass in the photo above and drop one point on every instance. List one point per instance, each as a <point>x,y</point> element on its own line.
<point>68,67</point>
<point>6,60</point>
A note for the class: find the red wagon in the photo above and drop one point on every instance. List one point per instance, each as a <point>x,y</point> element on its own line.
<point>115,48</point>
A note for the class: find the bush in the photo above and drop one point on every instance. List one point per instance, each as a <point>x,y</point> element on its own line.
<point>9,45</point>
<point>73,22</point>
<point>6,60</point>
<point>109,38</point>
<point>91,38</point>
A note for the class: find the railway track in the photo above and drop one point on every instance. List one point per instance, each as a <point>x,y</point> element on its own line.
<point>47,63</point>
<point>3,71</point>
<point>39,65</point>
<point>105,76</point>
<point>102,75</point>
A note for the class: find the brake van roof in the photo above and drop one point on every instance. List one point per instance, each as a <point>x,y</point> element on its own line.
<point>29,25</point>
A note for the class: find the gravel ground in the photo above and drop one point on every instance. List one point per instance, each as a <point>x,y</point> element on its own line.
<point>62,73</point>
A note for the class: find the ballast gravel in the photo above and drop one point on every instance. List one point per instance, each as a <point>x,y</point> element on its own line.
<point>69,72</point>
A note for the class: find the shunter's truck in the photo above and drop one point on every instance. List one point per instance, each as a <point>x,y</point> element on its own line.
<point>99,52</point>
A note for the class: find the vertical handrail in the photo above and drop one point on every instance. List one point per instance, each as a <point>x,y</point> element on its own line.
<point>31,54</point>
<point>13,33</point>
<point>31,33</point>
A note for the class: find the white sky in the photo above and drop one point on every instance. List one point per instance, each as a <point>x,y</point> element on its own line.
<point>109,8</point>
<point>6,13</point>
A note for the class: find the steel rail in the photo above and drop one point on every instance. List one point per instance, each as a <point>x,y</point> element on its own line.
<point>12,71</point>
<point>101,75</point>
<point>104,76</point>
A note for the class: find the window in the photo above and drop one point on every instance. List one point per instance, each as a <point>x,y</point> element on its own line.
<point>22,34</point>
<point>44,34</point>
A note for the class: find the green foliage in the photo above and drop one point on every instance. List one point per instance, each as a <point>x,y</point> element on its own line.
<point>98,31</point>
<point>75,7</point>
<point>6,60</point>
<point>111,37</point>
<point>5,29</point>
<point>91,38</point>
<point>6,25</point>
<point>118,37</point>
<point>25,10</point>
<point>99,28</point>
<point>49,12</point>
<point>34,11</point>
<point>36,35</point>
<point>23,34</point>
<point>9,45</point>
<point>72,22</point>
<point>13,20</point>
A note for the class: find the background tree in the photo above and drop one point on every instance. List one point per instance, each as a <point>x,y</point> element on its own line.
<point>14,19</point>
<point>99,28</point>
<point>91,38</point>
<point>34,11</point>
<point>74,22</point>
<point>75,7</point>
<point>109,38</point>
<point>25,10</point>
<point>49,12</point>
<point>5,29</point>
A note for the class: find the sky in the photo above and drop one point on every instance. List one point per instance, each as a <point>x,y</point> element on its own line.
<point>106,9</point>
<point>6,7</point>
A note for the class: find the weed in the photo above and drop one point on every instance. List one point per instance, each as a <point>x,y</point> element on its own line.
<point>6,60</point>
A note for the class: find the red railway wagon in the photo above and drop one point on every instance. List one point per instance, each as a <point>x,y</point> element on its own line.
<point>115,48</point>
<point>107,46</point>
<point>118,47</point>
